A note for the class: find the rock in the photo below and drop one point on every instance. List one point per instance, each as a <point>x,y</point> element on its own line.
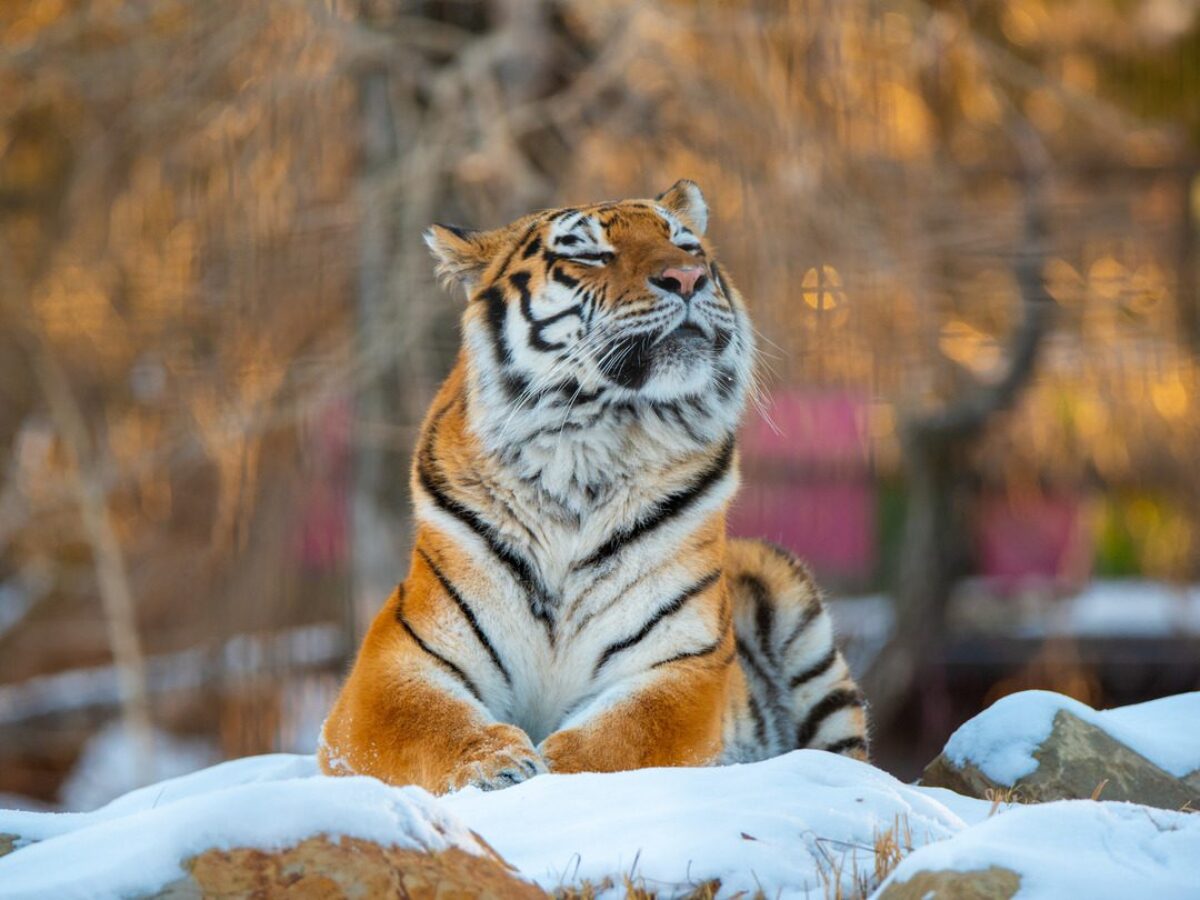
<point>1072,762</point>
<point>322,868</point>
<point>1193,782</point>
<point>8,843</point>
<point>993,883</point>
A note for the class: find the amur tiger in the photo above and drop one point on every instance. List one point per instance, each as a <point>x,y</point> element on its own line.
<point>573,603</point>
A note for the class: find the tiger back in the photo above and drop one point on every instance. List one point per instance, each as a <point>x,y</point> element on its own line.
<point>573,602</point>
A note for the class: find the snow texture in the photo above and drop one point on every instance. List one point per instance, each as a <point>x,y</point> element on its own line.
<point>1001,740</point>
<point>787,826</point>
<point>142,851</point>
<point>1077,848</point>
<point>778,824</point>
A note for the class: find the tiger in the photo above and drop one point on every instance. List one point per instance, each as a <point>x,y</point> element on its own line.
<point>573,603</point>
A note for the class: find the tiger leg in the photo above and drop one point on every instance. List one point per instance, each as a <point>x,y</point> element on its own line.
<point>798,691</point>
<point>670,716</point>
<point>407,715</point>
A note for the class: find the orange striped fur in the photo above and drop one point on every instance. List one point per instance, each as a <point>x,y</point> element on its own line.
<point>572,602</point>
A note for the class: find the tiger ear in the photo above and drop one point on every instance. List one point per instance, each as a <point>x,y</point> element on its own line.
<point>461,255</point>
<point>685,199</point>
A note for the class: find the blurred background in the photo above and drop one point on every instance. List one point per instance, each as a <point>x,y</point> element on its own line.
<point>967,232</point>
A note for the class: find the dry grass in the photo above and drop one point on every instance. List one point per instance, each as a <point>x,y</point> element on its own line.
<point>1002,797</point>
<point>842,877</point>
<point>888,848</point>
<point>637,889</point>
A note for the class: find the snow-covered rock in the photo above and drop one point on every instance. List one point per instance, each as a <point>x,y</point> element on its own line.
<point>807,824</point>
<point>143,849</point>
<point>790,825</point>
<point>786,825</point>
<point>1045,746</point>
<point>1073,848</point>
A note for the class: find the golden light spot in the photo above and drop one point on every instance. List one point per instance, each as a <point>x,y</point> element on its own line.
<point>1107,278</point>
<point>822,288</point>
<point>1148,288</point>
<point>1020,22</point>
<point>1044,109</point>
<point>1170,398</point>
<point>968,346</point>
<point>1063,281</point>
<point>910,122</point>
<point>1079,72</point>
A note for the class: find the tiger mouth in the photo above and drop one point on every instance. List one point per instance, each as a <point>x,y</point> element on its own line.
<point>688,329</point>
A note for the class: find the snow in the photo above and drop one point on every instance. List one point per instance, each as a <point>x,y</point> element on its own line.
<point>777,824</point>
<point>786,822</point>
<point>272,767</point>
<point>1001,740</point>
<point>1126,608</point>
<point>140,852</point>
<point>1077,848</point>
<point>803,824</point>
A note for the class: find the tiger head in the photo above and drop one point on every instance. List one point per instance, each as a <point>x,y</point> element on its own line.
<point>617,304</point>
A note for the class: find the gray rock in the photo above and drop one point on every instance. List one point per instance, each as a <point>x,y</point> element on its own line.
<point>1073,762</point>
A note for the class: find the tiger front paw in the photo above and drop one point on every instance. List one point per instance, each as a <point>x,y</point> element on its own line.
<point>501,757</point>
<point>567,751</point>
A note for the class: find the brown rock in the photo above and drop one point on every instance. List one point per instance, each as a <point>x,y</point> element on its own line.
<point>994,883</point>
<point>1074,760</point>
<point>322,868</point>
<point>8,843</point>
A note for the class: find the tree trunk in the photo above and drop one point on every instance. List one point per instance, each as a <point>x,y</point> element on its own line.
<point>937,448</point>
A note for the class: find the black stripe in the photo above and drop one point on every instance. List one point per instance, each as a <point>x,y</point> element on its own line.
<point>532,247</point>
<point>520,280</point>
<point>820,667</point>
<point>807,617</point>
<point>829,704</point>
<point>564,279</point>
<point>722,282</point>
<point>708,649</point>
<point>497,311</point>
<point>671,507</point>
<point>694,654</point>
<point>764,613</point>
<point>850,743</point>
<point>455,670</point>
<point>467,612</point>
<point>749,661</point>
<point>760,724</point>
<point>518,565</point>
<point>517,246</point>
<point>771,689</point>
<point>670,608</point>
<point>574,393</point>
<point>463,234</point>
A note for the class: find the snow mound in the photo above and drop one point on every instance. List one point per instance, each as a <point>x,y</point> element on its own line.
<point>786,824</point>
<point>37,826</point>
<point>1001,740</point>
<point>1075,848</point>
<point>782,826</point>
<point>140,851</point>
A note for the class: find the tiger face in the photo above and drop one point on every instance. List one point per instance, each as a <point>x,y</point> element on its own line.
<point>619,304</point>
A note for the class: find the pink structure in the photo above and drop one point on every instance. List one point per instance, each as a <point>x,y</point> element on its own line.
<point>807,483</point>
<point>1034,537</point>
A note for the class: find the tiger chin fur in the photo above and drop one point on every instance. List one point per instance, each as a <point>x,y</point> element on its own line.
<point>573,602</point>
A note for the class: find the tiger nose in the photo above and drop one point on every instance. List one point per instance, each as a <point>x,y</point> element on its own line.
<point>681,280</point>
